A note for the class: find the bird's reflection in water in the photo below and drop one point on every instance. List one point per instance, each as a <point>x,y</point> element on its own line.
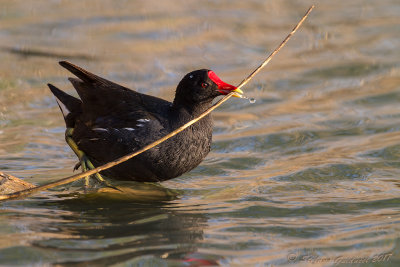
<point>106,231</point>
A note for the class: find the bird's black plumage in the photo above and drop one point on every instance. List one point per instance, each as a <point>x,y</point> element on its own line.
<point>111,121</point>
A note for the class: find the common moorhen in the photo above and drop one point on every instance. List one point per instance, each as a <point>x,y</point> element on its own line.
<point>110,121</point>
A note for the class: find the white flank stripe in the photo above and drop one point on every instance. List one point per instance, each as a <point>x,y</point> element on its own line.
<point>100,129</point>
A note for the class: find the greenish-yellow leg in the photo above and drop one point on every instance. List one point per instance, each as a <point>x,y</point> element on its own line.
<point>85,162</point>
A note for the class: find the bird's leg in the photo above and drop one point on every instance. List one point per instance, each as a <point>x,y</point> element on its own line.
<point>84,161</point>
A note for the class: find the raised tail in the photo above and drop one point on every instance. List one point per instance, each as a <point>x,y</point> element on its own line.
<point>70,106</point>
<point>85,75</point>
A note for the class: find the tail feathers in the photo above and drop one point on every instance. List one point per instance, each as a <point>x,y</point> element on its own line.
<point>83,89</point>
<point>83,74</point>
<point>70,106</point>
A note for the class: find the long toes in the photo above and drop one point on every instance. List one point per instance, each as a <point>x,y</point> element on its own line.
<point>86,164</point>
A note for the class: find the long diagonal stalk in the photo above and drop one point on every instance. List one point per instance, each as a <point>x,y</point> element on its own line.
<point>76,177</point>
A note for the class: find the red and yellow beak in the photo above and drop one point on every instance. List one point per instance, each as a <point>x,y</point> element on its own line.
<point>223,87</point>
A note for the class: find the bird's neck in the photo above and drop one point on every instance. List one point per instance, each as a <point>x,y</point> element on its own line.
<point>193,110</point>
<point>183,114</point>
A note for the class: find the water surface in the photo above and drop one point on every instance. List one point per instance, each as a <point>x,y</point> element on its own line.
<point>308,175</point>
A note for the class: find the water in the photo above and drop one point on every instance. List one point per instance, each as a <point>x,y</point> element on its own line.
<point>308,175</point>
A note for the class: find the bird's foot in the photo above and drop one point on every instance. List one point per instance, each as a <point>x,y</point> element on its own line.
<point>84,161</point>
<point>87,165</point>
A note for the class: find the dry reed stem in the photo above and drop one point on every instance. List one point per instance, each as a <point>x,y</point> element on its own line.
<point>76,177</point>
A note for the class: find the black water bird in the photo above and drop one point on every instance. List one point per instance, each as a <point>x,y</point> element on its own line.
<point>110,121</point>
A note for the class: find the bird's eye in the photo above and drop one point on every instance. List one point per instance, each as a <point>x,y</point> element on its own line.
<point>204,85</point>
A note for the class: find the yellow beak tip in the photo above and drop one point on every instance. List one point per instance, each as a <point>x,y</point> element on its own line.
<point>239,93</point>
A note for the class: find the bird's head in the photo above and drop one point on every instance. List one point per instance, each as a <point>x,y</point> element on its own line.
<point>202,86</point>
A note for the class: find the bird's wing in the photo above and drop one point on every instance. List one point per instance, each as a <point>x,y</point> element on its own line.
<point>100,96</point>
<point>115,120</point>
<point>109,138</point>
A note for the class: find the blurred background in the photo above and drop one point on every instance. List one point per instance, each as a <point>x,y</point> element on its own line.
<point>308,175</point>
